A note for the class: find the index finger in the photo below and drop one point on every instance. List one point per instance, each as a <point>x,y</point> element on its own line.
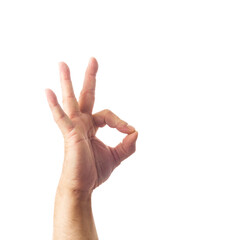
<point>87,94</point>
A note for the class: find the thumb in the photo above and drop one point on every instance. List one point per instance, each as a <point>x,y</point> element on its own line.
<point>126,148</point>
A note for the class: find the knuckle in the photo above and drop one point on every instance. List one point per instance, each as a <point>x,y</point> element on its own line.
<point>88,91</point>
<point>115,154</point>
<point>89,73</point>
<point>108,113</point>
<point>68,98</point>
<point>74,114</point>
<point>124,150</point>
<point>60,118</point>
<point>121,123</point>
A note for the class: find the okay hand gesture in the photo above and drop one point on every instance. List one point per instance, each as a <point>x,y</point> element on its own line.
<point>88,162</point>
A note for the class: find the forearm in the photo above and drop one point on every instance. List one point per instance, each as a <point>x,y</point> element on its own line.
<point>73,218</point>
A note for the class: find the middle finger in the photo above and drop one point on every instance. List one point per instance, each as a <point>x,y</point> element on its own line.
<point>70,104</point>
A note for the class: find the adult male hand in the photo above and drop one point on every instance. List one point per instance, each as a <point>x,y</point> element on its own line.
<point>88,162</point>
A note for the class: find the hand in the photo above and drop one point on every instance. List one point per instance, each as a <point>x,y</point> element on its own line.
<point>88,162</point>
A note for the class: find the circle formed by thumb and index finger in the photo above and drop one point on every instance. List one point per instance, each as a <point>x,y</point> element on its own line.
<point>128,144</point>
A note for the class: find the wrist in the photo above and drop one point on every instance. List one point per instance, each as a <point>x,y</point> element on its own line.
<point>73,215</point>
<point>63,190</point>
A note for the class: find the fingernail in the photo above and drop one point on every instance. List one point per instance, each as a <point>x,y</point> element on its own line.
<point>59,64</point>
<point>90,61</point>
<point>59,67</point>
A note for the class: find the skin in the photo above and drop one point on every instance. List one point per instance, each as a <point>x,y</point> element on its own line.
<point>88,162</point>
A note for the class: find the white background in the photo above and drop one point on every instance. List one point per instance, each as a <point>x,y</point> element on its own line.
<point>170,69</point>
